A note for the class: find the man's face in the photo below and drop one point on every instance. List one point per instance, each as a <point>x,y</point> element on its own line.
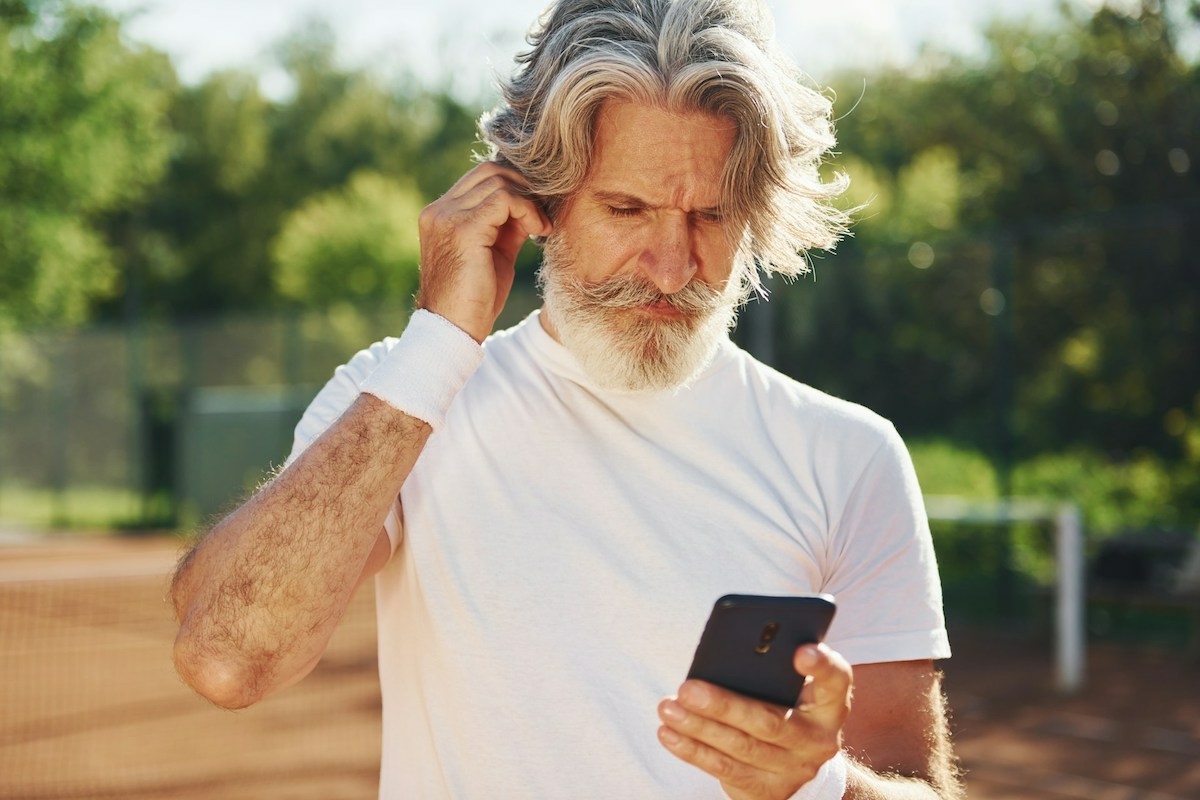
<point>638,276</point>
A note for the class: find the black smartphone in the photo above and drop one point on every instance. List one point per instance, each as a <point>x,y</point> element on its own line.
<point>749,641</point>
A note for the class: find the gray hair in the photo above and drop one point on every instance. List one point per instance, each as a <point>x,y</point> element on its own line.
<point>711,56</point>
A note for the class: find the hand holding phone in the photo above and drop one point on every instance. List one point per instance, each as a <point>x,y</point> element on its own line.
<point>750,640</point>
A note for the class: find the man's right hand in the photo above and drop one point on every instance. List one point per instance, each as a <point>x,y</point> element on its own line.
<point>470,238</point>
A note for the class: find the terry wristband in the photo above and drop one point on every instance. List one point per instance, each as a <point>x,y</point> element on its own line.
<point>425,369</point>
<point>828,784</point>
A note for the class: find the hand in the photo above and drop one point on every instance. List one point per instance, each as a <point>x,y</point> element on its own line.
<point>470,238</point>
<point>758,750</point>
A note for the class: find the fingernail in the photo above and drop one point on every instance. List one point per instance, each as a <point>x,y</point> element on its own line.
<point>668,736</point>
<point>673,711</point>
<point>694,695</point>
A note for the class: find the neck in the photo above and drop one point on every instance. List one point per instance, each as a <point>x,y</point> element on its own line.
<point>548,324</point>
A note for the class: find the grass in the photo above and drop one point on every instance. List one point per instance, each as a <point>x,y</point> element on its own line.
<point>77,508</point>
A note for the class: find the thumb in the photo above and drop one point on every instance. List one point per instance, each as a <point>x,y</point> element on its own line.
<point>826,695</point>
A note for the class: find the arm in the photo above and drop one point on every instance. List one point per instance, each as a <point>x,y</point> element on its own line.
<point>261,594</point>
<point>897,734</point>
<point>259,597</point>
<point>895,738</point>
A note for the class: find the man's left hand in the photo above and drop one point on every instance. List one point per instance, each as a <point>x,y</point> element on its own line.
<point>760,751</point>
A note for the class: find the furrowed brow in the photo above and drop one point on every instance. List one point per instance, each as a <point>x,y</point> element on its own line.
<point>624,199</point>
<point>620,199</point>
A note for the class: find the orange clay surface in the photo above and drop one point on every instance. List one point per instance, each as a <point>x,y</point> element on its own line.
<point>90,706</point>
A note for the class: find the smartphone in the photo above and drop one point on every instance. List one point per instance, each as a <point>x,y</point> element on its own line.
<point>749,641</point>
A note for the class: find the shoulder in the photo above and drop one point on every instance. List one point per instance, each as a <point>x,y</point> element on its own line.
<point>509,354</point>
<point>364,361</point>
<point>518,339</point>
<point>338,393</point>
<point>507,342</point>
<point>785,401</point>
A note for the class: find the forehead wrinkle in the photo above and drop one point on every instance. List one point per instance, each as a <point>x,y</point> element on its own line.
<point>656,180</point>
<point>664,159</point>
<point>623,198</point>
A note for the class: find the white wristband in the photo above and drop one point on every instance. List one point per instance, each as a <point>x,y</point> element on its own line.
<point>828,784</point>
<point>425,369</point>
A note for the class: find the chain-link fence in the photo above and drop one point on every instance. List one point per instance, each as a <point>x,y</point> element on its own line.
<point>153,425</point>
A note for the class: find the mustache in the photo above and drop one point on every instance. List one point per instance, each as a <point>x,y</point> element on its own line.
<point>626,291</point>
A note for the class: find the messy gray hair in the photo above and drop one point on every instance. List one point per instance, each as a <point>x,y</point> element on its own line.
<point>712,56</point>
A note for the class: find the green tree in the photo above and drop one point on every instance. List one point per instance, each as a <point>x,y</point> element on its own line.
<point>1029,254</point>
<point>200,240</point>
<point>244,165</point>
<point>82,133</point>
<point>354,244</point>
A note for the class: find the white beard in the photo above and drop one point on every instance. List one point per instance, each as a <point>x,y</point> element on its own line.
<point>622,348</point>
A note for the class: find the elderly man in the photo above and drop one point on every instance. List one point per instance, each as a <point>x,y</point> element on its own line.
<point>550,511</point>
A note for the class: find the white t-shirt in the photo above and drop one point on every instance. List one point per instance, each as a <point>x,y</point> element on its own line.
<point>562,546</point>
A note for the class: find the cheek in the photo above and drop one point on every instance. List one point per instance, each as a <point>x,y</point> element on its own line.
<point>602,251</point>
<point>715,252</point>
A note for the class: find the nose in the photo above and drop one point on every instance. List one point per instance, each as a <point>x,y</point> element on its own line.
<point>667,259</point>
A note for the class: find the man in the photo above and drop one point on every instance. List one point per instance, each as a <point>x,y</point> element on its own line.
<point>549,514</point>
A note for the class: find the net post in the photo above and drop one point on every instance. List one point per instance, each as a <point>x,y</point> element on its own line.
<point>1069,642</point>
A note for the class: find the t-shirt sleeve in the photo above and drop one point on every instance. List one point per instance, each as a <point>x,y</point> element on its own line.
<point>883,572</point>
<point>332,401</point>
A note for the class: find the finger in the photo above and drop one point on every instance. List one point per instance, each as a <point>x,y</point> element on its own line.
<point>725,739</point>
<point>489,175</point>
<point>722,766</point>
<point>487,171</point>
<point>477,195</point>
<point>826,696</point>
<point>474,176</point>
<point>527,219</point>
<point>806,697</point>
<point>760,720</point>
<point>509,241</point>
<point>494,203</point>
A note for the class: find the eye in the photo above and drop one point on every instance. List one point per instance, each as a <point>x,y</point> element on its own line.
<point>624,211</point>
<point>712,217</point>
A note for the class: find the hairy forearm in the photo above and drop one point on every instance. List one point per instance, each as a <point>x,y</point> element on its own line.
<point>258,598</point>
<point>863,783</point>
<point>897,741</point>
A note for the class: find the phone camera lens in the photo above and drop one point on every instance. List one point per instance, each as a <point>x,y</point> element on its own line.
<point>769,632</point>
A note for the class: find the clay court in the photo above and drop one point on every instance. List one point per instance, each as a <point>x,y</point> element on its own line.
<point>92,707</point>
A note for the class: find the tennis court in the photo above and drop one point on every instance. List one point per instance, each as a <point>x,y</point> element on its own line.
<point>92,707</point>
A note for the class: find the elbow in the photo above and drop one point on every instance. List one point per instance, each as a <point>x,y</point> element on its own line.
<point>223,681</point>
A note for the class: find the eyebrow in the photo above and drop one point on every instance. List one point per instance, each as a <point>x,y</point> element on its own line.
<point>626,199</point>
<point>620,198</point>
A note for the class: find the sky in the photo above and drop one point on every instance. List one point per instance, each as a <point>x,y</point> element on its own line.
<point>468,41</point>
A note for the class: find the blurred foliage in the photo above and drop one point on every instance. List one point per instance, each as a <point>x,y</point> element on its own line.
<point>1022,286</point>
<point>357,243</point>
<point>82,134</point>
<point>1025,275</point>
<point>945,468</point>
<point>1144,492</point>
<point>244,166</point>
<point>1135,493</point>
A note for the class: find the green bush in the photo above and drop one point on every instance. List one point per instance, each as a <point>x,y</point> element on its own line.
<point>1142,492</point>
<point>355,243</point>
<point>945,468</point>
<point>1138,493</point>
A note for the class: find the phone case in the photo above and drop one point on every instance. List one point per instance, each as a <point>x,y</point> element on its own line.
<point>750,640</point>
